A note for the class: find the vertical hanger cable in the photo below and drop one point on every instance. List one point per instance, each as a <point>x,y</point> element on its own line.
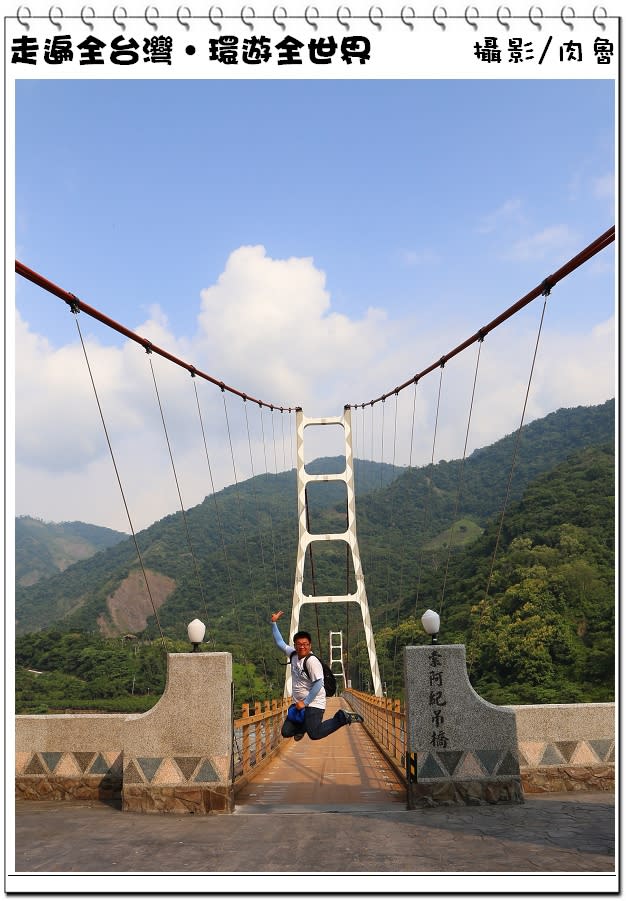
<point>471,652</point>
<point>119,482</point>
<point>180,497</point>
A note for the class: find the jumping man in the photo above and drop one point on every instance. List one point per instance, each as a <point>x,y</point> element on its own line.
<point>308,693</point>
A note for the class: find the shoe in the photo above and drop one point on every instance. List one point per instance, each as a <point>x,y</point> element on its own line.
<point>352,718</point>
<point>298,736</point>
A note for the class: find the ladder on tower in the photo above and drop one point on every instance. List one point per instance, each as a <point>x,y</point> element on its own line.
<point>306,538</point>
<point>336,658</point>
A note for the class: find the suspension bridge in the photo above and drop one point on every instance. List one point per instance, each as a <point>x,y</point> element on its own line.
<point>371,777</point>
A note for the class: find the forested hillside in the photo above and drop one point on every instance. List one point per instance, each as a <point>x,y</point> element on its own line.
<point>540,628</point>
<point>244,537</point>
<point>236,536</point>
<point>537,617</point>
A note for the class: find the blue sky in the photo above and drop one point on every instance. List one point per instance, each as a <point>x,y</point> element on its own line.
<point>140,190</point>
<point>308,242</point>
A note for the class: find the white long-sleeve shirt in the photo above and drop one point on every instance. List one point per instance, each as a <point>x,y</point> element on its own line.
<point>311,691</point>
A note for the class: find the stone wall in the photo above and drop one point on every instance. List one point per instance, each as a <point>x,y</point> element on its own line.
<point>61,757</point>
<point>177,757</point>
<point>460,748</point>
<point>463,750</point>
<point>566,747</point>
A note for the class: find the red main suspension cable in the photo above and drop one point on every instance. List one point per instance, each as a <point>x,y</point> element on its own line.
<point>75,304</point>
<point>544,288</point>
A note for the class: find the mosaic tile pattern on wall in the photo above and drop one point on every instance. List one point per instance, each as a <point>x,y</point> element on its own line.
<point>591,752</point>
<point>476,764</point>
<point>170,771</point>
<point>69,764</point>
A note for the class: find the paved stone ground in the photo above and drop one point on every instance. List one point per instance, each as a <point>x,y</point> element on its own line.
<point>547,834</point>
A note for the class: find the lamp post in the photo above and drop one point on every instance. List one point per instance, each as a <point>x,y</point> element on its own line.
<point>431,622</point>
<point>195,632</point>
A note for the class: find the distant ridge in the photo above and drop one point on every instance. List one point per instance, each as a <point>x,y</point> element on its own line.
<point>45,548</point>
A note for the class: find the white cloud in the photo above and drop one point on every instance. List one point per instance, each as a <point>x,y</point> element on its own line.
<point>551,241</point>
<point>604,186</point>
<point>267,327</point>
<point>424,257</point>
<point>269,323</point>
<point>578,370</point>
<point>510,212</point>
<point>54,412</point>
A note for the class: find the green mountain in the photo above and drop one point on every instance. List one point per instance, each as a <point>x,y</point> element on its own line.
<point>233,534</point>
<point>240,554</point>
<point>45,548</point>
<point>427,537</point>
<point>532,598</point>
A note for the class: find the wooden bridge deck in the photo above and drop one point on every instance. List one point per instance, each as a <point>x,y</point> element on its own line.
<point>344,770</point>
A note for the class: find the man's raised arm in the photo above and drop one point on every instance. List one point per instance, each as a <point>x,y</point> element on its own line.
<point>278,638</point>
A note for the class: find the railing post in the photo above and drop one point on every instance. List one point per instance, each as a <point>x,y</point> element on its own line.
<point>267,744</point>
<point>397,746</point>
<point>273,722</point>
<point>388,708</point>
<point>245,738</point>
<point>257,726</point>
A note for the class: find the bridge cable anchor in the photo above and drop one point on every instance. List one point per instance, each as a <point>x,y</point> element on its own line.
<point>73,304</point>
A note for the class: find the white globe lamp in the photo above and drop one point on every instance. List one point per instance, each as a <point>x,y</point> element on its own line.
<point>431,622</point>
<point>195,632</point>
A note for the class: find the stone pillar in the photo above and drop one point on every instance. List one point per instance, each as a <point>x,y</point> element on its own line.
<point>460,748</point>
<point>178,755</point>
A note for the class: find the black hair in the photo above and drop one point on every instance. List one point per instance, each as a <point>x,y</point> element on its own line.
<point>302,635</point>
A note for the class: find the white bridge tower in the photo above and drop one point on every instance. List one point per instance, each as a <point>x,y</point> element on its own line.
<point>305,538</point>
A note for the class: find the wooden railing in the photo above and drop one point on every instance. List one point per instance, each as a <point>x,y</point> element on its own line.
<point>256,735</point>
<point>385,721</point>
